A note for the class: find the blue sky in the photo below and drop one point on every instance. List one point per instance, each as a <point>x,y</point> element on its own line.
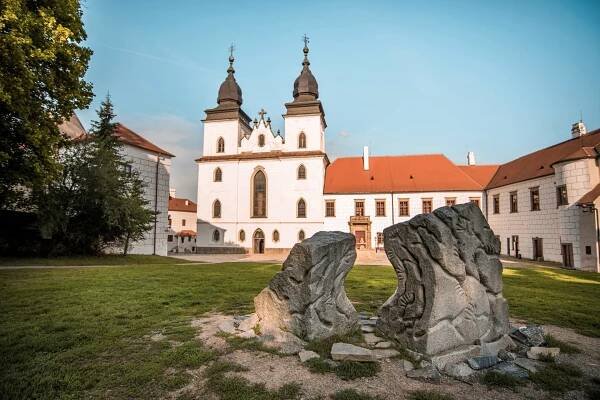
<point>497,78</point>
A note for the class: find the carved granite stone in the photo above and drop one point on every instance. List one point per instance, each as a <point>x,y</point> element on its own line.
<point>449,292</point>
<point>307,296</point>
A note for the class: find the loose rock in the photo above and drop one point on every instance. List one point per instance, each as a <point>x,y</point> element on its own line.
<point>460,370</point>
<point>385,353</point>
<point>371,338</point>
<point>407,365</point>
<point>428,374</point>
<point>482,362</point>
<point>530,365</point>
<point>227,326</point>
<point>383,345</point>
<point>306,355</point>
<point>248,323</point>
<point>510,368</point>
<point>350,352</point>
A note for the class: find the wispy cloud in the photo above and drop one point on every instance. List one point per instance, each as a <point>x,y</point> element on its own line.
<point>179,136</point>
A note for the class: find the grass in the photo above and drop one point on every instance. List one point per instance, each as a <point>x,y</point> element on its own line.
<point>323,347</point>
<point>346,370</point>
<point>351,394</point>
<point>109,259</point>
<point>558,377</point>
<point>498,379</point>
<point>429,395</point>
<point>84,332</point>
<point>236,387</point>
<point>565,348</point>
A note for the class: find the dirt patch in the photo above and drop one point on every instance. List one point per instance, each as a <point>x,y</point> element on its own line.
<point>391,382</point>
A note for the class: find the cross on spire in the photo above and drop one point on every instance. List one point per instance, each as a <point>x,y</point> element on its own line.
<point>231,49</point>
<point>262,113</point>
<point>306,40</point>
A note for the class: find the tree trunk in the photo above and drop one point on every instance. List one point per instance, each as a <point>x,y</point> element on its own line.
<point>126,245</point>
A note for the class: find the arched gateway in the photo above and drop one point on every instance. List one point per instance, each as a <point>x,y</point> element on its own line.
<point>258,242</point>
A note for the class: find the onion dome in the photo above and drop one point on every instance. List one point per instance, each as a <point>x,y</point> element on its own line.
<point>306,87</point>
<point>230,91</point>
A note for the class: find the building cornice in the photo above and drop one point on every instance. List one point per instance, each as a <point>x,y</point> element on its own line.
<point>263,156</point>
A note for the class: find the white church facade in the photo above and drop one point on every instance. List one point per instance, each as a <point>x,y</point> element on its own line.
<point>260,191</point>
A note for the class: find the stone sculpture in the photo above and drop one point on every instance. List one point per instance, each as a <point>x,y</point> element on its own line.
<point>307,297</point>
<point>449,294</point>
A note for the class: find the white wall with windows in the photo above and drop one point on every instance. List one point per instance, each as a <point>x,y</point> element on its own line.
<point>558,230</point>
<point>345,207</point>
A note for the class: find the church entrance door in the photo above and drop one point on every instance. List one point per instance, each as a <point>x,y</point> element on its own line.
<point>360,239</point>
<point>258,240</point>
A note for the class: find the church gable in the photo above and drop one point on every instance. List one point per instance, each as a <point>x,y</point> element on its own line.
<point>261,139</point>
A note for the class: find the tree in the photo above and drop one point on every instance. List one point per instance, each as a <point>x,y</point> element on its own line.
<point>98,201</point>
<point>42,64</point>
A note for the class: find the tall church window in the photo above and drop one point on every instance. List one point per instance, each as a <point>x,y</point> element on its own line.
<point>261,140</point>
<point>301,235</point>
<point>301,172</point>
<point>220,145</point>
<point>302,141</point>
<point>217,209</point>
<point>218,175</point>
<point>301,208</point>
<point>259,195</point>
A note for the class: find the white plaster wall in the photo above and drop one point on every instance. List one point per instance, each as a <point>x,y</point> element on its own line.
<point>145,163</point>
<point>177,218</point>
<point>283,193</point>
<point>311,125</point>
<point>555,225</point>
<point>344,208</point>
<point>177,246</point>
<point>230,130</point>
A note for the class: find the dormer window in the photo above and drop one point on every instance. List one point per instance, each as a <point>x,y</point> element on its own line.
<point>221,145</point>
<point>261,140</point>
<point>302,141</point>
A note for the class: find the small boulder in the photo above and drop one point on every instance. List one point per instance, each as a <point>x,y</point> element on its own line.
<point>537,353</point>
<point>367,328</point>
<point>247,334</point>
<point>506,355</point>
<point>482,362</point>
<point>371,338</point>
<point>460,370</point>
<point>530,365</point>
<point>227,326</point>
<point>385,353</point>
<point>427,374</point>
<point>248,323</point>
<point>407,365</point>
<point>306,355</point>
<point>350,352</point>
<point>511,369</point>
<point>383,345</point>
<point>530,335</point>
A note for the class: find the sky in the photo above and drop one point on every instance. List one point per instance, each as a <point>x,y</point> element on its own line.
<point>501,79</point>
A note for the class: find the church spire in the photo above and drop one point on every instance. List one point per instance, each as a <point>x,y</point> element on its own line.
<point>306,87</point>
<point>230,92</point>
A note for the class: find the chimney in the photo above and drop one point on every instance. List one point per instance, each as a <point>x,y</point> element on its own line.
<point>470,158</point>
<point>578,129</point>
<point>366,158</point>
<point>187,202</point>
<point>172,192</point>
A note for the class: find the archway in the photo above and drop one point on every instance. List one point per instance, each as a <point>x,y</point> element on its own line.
<point>258,242</point>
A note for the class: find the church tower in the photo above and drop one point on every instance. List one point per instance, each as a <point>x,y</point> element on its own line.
<point>305,119</point>
<point>226,124</point>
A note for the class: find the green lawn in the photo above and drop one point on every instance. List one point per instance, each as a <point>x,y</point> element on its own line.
<point>72,333</point>
<point>115,259</point>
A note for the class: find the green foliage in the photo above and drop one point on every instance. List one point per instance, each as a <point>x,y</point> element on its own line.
<point>565,348</point>
<point>319,366</point>
<point>351,394</point>
<point>429,395</point>
<point>498,379</point>
<point>558,377</point>
<point>98,201</point>
<point>42,65</point>
<point>349,370</point>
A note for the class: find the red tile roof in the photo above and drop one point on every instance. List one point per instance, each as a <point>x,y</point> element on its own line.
<point>540,163</point>
<point>179,204</point>
<point>129,137</point>
<point>590,196</point>
<point>398,174</point>
<point>481,174</point>
<point>186,232</point>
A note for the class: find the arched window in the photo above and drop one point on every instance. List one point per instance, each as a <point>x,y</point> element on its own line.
<point>221,145</point>
<point>301,235</point>
<point>218,175</point>
<point>261,140</point>
<point>276,235</point>
<point>259,195</point>
<point>242,235</point>
<point>217,209</point>
<point>302,141</point>
<point>301,209</point>
<point>301,172</point>
<point>216,235</point>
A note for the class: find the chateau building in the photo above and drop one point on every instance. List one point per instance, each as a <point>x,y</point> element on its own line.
<point>261,191</point>
<point>182,225</point>
<point>544,205</point>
